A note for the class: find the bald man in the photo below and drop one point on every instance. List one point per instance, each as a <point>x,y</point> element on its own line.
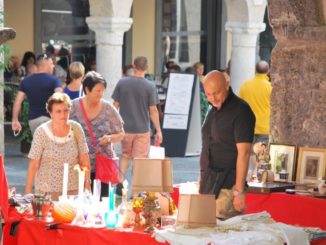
<point>227,132</point>
<point>257,93</point>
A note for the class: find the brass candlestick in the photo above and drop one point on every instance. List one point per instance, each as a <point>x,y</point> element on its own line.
<point>137,207</point>
<point>151,209</point>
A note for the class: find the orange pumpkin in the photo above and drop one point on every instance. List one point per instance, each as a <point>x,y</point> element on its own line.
<point>63,212</point>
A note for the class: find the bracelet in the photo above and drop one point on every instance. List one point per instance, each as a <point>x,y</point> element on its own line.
<point>88,181</point>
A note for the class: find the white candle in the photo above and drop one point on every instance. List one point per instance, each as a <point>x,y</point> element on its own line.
<point>65,180</point>
<point>81,181</point>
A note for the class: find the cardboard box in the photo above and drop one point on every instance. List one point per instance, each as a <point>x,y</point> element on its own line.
<point>152,175</point>
<point>196,210</point>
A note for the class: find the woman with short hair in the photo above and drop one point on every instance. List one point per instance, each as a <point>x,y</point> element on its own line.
<point>105,120</point>
<point>56,142</point>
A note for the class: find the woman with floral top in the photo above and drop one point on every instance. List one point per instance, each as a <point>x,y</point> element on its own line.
<point>56,142</point>
<point>105,120</point>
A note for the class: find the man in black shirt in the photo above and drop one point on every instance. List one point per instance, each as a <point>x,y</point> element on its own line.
<point>227,133</point>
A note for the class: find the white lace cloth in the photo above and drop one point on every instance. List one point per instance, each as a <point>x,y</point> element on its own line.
<point>258,228</point>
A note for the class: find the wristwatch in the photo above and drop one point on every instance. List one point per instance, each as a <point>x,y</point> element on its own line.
<point>238,193</point>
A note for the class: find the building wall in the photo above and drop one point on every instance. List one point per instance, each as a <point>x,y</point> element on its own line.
<point>20,16</point>
<point>143,40</point>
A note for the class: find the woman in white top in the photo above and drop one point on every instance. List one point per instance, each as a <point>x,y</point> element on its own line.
<point>56,142</point>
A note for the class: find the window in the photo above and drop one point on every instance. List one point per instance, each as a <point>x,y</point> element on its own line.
<point>64,30</point>
<point>180,31</point>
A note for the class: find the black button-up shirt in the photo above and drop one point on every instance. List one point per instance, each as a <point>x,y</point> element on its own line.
<point>222,130</point>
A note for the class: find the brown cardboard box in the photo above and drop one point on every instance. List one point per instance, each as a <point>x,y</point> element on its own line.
<point>196,210</point>
<point>152,175</point>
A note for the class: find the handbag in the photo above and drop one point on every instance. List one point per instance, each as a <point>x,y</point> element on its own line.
<point>106,169</point>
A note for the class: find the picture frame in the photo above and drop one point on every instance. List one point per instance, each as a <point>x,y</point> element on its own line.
<point>283,158</point>
<point>311,165</point>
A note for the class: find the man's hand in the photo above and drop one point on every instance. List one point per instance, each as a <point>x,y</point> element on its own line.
<point>239,202</point>
<point>159,137</point>
<point>16,126</point>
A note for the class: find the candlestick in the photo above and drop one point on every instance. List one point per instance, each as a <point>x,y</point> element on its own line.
<point>65,180</point>
<point>81,180</point>
<point>96,190</point>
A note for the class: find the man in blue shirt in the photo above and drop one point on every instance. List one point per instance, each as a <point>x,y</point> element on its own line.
<point>38,88</point>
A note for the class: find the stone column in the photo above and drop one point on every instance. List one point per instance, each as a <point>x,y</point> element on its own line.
<point>245,22</point>
<point>5,35</point>
<point>298,101</point>
<point>109,19</point>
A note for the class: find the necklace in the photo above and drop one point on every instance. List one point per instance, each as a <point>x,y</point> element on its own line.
<point>61,144</point>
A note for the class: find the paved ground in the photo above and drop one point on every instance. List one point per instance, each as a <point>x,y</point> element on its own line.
<point>184,169</point>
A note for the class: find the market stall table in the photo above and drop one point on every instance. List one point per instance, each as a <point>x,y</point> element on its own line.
<point>291,209</point>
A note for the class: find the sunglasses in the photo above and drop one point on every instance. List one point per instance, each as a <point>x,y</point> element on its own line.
<point>43,57</point>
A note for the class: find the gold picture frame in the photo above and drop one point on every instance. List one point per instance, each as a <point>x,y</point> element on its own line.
<point>283,157</point>
<point>311,165</point>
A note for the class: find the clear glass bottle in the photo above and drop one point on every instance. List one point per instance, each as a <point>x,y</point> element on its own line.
<point>123,208</point>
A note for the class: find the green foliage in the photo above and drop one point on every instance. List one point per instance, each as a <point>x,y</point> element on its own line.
<point>5,51</point>
<point>26,134</point>
<point>203,106</point>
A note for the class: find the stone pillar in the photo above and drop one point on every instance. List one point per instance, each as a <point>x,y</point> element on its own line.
<point>298,101</point>
<point>109,19</point>
<point>245,22</point>
<point>5,35</point>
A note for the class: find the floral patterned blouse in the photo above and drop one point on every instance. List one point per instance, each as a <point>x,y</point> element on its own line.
<point>107,122</point>
<point>53,152</point>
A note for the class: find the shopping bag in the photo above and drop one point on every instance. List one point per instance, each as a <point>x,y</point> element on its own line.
<point>156,152</point>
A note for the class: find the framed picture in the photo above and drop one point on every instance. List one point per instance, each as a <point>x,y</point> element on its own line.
<point>311,164</point>
<point>283,159</point>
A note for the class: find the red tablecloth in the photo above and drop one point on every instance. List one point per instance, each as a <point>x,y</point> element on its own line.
<point>290,209</point>
<point>286,208</point>
<point>34,232</point>
<point>3,190</point>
